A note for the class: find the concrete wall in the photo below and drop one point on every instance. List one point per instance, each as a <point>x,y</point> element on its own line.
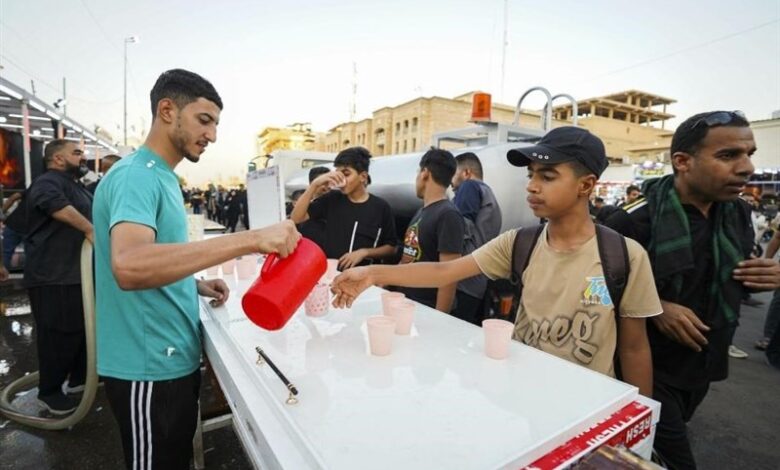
<point>767,136</point>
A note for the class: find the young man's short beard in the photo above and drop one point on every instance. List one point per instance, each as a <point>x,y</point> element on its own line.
<point>180,142</point>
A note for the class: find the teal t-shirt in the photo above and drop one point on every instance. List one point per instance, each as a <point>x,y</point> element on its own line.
<point>150,334</point>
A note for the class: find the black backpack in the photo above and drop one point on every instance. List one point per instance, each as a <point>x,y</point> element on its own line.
<point>612,251</point>
<point>502,297</point>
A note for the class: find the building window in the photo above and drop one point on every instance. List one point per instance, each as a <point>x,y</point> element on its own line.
<point>414,144</point>
<point>414,125</point>
<point>396,147</point>
<point>406,126</point>
<point>405,149</point>
<point>397,127</point>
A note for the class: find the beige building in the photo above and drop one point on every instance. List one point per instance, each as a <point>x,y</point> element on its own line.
<point>766,133</point>
<point>625,121</point>
<point>409,127</point>
<point>298,136</point>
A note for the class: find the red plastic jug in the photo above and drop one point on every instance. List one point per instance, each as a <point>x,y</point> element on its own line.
<point>283,285</point>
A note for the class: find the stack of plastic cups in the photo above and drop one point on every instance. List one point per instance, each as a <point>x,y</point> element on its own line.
<point>228,267</point>
<point>498,335</point>
<point>246,267</point>
<point>317,303</point>
<point>402,311</point>
<point>380,334</point>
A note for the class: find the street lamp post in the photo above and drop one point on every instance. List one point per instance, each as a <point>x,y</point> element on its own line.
<point>128,40</point>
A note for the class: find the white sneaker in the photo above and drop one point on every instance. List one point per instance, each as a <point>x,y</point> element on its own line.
<point>737,353</point>
<point>71,390</point>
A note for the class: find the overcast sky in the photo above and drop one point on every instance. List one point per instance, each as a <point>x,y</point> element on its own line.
<point>275,63</point>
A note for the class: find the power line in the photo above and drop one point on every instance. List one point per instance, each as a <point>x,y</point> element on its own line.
<point>99,26</point>
<point>683,50</point>
<point>111,42</point>
<point>28,43</point>
<point>55,88</point>
<point>27,72</point>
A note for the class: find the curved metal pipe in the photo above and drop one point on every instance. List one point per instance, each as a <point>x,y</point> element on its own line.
<point>546,118</point>
<point>574,107</point>
<point>90,386</point>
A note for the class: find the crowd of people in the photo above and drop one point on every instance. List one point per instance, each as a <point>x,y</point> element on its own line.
<point>648,292</point>
<point>227,207</point>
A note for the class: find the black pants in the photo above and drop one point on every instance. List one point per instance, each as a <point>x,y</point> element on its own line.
<point>156,420</point>
<point>468,308</point>
<point>232,222</point>
<point>59,324</point>
<point>773,349</point>
<point>671,434</point>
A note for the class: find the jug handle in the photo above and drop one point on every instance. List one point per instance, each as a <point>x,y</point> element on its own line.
<point>269,262</point>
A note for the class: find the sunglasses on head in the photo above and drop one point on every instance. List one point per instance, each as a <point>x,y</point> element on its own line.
<point>721,118</point>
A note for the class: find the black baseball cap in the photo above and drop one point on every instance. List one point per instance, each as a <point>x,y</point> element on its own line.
<point>564,144</point>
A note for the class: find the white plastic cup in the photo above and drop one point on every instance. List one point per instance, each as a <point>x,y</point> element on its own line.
<point>229,266</point>
<point>247,267</point>
<point>381,329</point>
<point>498,334</point>
<point>388,298</point>
<point>317,303</point>
<point>402,310</point>
<point>332,272</point>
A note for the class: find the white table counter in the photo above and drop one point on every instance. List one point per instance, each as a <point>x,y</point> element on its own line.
<point>436,402</point>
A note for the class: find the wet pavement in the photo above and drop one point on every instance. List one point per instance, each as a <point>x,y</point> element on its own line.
<point>94,442</point>
<point>735,428</point>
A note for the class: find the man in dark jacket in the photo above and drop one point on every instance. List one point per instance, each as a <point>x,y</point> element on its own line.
<point>699,236</point>
<point>482,217</point>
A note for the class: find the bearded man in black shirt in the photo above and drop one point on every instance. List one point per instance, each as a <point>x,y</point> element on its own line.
<point>59,213</point>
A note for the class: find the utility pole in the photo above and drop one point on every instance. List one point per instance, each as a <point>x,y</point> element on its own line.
<point>353,104</point>
<point>64,97</point>
<point>504,44</point>
<point>128,40</point>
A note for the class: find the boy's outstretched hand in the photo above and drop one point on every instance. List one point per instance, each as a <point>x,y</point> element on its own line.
<point>348,285</point>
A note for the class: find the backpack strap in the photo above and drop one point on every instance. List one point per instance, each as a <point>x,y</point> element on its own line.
<point>613,253</point>
<point>525,241</point>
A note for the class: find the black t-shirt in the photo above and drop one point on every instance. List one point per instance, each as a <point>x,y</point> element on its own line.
<point>335,218</point>
<point>436,228</point>
<point>673,363</point>
<point>53,248</point>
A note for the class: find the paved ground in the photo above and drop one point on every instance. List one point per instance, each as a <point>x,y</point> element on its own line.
<point>735,428</point>
<point>94,442</point>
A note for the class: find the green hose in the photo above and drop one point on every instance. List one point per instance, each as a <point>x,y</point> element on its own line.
<point>90,386</point>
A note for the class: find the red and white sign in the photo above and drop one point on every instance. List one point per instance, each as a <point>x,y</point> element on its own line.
<point>627,427</point>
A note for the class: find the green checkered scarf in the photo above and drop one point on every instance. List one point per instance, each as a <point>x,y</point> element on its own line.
<point>670,245</point>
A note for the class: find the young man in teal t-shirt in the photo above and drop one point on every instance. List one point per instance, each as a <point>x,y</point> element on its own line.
<point>148,329</point>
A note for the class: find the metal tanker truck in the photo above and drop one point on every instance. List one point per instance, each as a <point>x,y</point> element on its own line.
<point>393,176</point>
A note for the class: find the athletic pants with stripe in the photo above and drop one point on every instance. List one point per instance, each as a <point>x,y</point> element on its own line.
<point>156,420</point>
